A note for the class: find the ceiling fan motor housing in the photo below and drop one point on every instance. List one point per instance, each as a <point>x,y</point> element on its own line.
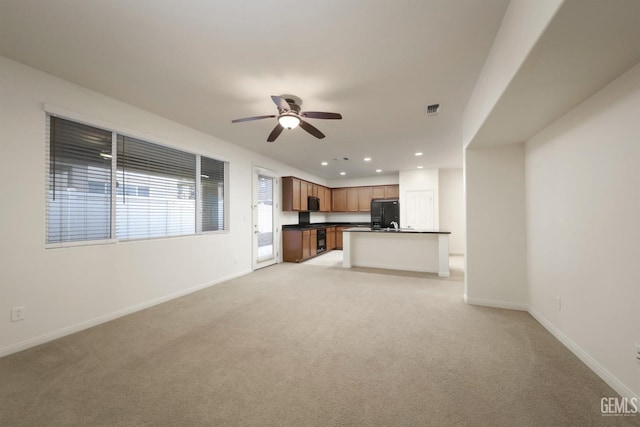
<point>292,104</point>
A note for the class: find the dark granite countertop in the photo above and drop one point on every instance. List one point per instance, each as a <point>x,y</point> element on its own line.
<point>318,225</point>
<point>399,231</point>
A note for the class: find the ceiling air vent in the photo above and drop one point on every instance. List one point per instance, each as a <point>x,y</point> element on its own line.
<point>433,109</point>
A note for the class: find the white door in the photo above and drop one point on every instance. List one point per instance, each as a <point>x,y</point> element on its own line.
<point>420,209</point>
<point>265,227</point>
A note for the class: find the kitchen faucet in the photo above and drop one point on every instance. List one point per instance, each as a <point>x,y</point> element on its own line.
<point>395,225</point>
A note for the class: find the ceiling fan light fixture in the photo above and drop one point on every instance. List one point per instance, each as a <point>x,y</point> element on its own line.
<point>289,121</point>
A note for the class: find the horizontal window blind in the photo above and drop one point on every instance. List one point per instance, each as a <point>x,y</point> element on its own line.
<point>156,190</point>
<point>212,197</point>
<point>79,184</point>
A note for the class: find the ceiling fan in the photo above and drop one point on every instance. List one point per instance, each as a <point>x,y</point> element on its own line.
<point>289,117</point>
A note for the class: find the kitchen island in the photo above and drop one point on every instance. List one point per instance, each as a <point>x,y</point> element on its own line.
<point>403,249</point>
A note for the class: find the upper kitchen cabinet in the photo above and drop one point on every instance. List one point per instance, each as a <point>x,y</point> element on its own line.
<point>339,199</point>
<point>364,198</point>
<point>391,191</point>
<point>377,192</point>
<point>291,194</point>
<point>295,193</point>
<point>304,194</point>
<point>324,194</point>
<point>347,199</point>
<point>353,204</point>
<point>385,192</point>
<point>358,199</point>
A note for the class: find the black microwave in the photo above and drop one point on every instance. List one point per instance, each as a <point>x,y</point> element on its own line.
<point>313,204</point>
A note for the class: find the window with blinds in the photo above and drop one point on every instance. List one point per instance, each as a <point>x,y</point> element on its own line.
<point>79,185</point>
<point>212,202</point>
<point>156,190</point>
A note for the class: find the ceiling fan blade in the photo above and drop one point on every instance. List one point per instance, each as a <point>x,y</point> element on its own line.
<point>275,133</point>
<point>311,129</point>
<point>321,115</point>
<point>247,119</point>
<point>282,104</point>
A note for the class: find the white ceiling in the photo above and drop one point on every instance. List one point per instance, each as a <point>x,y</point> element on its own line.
<point>203,63</point>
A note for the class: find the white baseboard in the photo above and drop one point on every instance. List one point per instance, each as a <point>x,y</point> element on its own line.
<point>50,336</point>
<point>509,305</point>
<point>585,357</point>
<point>595,366</point>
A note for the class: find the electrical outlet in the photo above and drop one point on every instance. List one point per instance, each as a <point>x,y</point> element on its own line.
<point>558,303</point>
<point>17,313</point>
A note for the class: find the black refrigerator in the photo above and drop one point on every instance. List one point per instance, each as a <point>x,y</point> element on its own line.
<point>384,212</point>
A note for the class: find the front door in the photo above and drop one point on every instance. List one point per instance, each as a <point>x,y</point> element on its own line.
<point>265,230</point>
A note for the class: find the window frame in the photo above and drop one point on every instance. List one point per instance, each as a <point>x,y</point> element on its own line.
<point>56,112</point>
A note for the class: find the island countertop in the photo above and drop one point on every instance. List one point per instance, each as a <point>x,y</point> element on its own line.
<point>391,230</point>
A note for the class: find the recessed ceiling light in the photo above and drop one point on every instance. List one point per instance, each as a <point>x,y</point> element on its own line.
<point>343,173</point>
<point>324,163</point>
<point>367,159</point>
<point>418,154</point>
<point>419,167</point>
<point>378,170</point>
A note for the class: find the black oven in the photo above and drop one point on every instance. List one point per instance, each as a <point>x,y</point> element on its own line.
<point>322,240</point>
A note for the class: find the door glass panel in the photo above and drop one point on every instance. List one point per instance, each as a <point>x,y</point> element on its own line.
<point>265,217</point>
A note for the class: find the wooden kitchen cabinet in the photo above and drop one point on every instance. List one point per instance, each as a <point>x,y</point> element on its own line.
<point>377,192</point>
<point>339,237</point>
<point>331,238</point>
<point>306,247</point>
<point>313,243</point>
<point>385,192</point>
<point>292,246</point>
<point>321,198</point>
<point>391,191</point>
<point>364,199</point>
<point>304,193</point>
<point>347,199</point>
<point>290,194</point>
<point>325,199</point>
<point>352,200</point>
<point>339,199</point>
<point>299,245</point>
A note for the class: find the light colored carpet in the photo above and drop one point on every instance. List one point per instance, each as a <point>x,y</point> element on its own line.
<point>308,345</point>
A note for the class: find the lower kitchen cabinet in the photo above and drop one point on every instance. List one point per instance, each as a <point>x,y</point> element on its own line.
<point>331,238</point>
<point>306,246</point>
<point>299,245</point>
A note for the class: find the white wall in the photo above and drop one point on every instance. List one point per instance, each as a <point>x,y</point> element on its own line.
<point>349,217</point>
<point>583,213</point>
<point>359,182</point>
<point>419,180</point>
<point>451,202</point>
<point>67,289</point>
<point>495,272</point>
<point>523,23</point>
